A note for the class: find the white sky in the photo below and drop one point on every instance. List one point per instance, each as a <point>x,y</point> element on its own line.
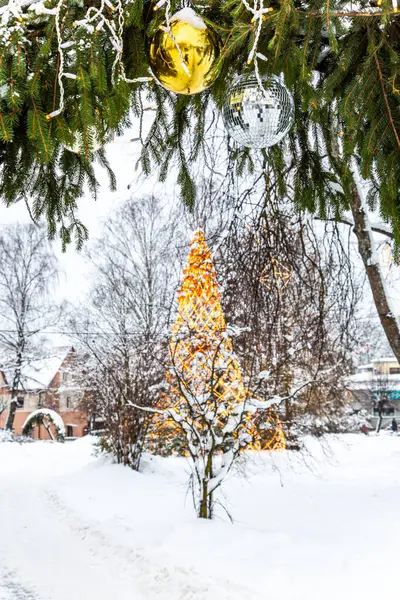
<point>123,156</point>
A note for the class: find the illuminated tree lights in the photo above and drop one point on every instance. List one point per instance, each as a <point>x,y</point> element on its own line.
<point>208,408</point>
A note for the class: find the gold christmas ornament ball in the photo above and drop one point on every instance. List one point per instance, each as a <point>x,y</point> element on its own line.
<point>184,59</point>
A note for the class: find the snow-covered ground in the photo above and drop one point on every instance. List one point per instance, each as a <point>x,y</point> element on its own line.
<point>322,525</point>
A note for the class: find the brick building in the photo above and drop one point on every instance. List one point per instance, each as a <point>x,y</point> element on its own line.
<point>49,382</point>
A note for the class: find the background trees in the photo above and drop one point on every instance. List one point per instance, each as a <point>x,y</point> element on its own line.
<point>290,285</point>
<point>290,298</point>
<point>288,291</point>
<point>293,291</point>
<point>29,271</point>
<point>121,326</point>
<point>287,288</point>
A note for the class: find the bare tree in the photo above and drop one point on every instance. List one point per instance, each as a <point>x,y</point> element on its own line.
<point>353,187</point>
<point>365,230</point>
<point>367,249</point>
<point>290,286</point>
<point>29,271</point>
<point>121,325</point>
<point>137,255</point>
<point>253,194</point>
<point>209,409</point>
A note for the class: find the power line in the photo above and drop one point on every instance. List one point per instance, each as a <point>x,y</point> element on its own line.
<point>44,332</point>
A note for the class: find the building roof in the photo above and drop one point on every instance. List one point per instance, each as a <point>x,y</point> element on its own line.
<point>369,381</point>
<point>38,374</point>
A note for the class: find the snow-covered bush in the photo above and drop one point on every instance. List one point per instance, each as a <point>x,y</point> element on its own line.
<point>113,380</point>
<point>8,436</point>
<point>47,418</point>
<point>348,420</point>
<point>352,421</point>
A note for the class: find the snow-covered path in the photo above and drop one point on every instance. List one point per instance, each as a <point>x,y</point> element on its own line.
<point>49,545</point>
<point>73,526</point>
<point>11,588</point>
<point>44,547</point>
<point>49,549</point>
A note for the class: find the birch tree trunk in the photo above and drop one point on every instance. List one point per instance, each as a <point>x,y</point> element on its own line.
<point>366,247</point>
<point>15,386</point>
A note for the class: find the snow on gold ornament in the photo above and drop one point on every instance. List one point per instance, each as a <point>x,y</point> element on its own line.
<point>183,58</point>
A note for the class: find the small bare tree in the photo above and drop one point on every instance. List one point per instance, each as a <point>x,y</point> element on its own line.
<point>209,410</point>
<point>120,327</point>
<point>205,402</point>
<point>28,272</point>
<point>290,287</point>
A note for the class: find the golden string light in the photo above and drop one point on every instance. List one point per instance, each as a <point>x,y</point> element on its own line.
<point>204,367</point>
<point>275,275</point>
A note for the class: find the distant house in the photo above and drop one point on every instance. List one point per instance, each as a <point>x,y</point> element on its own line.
<point>376,387</point>
<point>49,382</point>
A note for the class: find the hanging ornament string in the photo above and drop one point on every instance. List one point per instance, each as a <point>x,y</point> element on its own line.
<point>118,58</point>
<point>253,53</point>
<point>61,63</point>
<point>259,13</point>
<point>116,38</point>
<point>258,16</point>
<point>119,44</point>
<point>167,29</point>
<point>94,21</point>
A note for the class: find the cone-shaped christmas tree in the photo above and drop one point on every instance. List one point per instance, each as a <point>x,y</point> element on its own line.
<point>205,385</point>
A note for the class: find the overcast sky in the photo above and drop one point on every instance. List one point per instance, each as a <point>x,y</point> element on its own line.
<point>123,156</point>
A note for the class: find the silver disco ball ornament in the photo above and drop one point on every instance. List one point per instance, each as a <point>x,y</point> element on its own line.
<point>255,117</point>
